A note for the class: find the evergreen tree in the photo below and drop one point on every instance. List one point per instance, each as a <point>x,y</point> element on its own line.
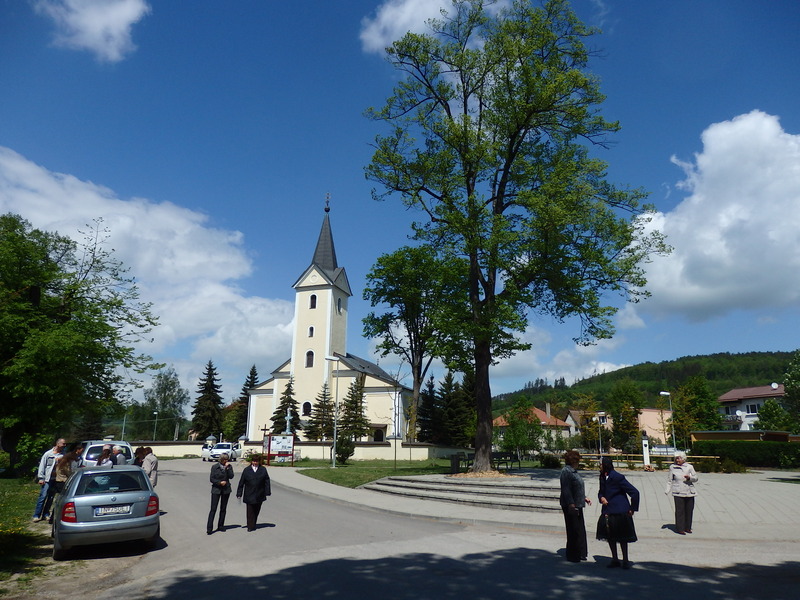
<point>353,423</point>
<point>287,406</point>
<point>320,425</point>
<point>235,420</point>
<point>431,415</point>
<point>625,404</point>
<point>207,410</point>
<point>456,404</point>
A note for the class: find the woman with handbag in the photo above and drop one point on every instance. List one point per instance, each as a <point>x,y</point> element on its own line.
<point>616,518</point>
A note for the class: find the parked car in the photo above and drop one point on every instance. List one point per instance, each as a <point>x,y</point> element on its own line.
<point>100,506</point>
<point>93,448</point>
<point>233,451</point>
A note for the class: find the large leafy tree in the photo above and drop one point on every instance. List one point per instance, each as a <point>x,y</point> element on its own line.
<point>411,282</point>
<point>287,409</point>
<point>70,322</point>
<point>695,408</point>
<point>207,410</point>
<point>488,136</point>
<point>625,404</point>
<point>773,417</point>
<point>523,433</point>
<point>167,398</point>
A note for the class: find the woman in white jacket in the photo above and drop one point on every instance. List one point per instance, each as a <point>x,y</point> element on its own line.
<point>680,484</point>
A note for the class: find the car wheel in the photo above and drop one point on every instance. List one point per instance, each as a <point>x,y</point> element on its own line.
<point>59,552</point>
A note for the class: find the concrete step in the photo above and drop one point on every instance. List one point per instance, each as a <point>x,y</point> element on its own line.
<point>492,494</point>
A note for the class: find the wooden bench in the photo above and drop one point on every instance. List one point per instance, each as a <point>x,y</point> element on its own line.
<point>505,458</point>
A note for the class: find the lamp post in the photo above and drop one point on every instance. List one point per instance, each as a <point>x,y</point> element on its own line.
<point>155,424</point>
<point>671,418</point>
<point>598,418</point>
<point>335,410</point>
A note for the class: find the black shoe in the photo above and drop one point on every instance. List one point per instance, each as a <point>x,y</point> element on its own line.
<point>626,564</point>
<point>613,564</point>
<point>221,529</point>
<point>209,532</point>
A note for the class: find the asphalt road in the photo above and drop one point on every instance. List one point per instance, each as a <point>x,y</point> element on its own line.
<point>309,547</point>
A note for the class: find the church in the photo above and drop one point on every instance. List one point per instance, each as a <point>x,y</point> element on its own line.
<point>319,355</point>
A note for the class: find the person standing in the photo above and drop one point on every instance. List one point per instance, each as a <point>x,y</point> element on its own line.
<point>45,474</point>
<point>254,487</point>
<point>680,483</point>
<point>106,458</point>
<point>150,465</point>
<point>118,456</point>
<point>616,518</point>
<point>221,475</point>
<point>573,499</point>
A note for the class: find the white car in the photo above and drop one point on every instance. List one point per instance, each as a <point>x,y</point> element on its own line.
<point>233,451</point>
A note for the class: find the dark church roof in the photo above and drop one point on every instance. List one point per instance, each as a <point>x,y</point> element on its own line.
<point>325,253</point>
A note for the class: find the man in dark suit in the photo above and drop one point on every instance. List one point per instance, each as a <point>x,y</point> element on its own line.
<point>221,475</point>
<point>254,487</point>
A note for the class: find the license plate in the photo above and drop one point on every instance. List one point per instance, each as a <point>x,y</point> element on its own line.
<point>100,511</point>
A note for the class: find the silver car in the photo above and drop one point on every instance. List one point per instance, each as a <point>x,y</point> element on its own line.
<point>105,505</point>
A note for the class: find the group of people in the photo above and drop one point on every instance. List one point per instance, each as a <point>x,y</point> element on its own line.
<point>254,487</point>
<point>619,499</point>
<point>58,463</point>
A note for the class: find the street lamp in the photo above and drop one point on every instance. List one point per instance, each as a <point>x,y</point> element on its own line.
<point>335,410</point>
<point>671,418</point>
<point>155,424</point>
<point>598,418</point>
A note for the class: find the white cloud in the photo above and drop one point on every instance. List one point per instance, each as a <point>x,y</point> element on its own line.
<point>101,26</point>
<point>735,235</point>
<point>394,18</point>
<point>186,268</point>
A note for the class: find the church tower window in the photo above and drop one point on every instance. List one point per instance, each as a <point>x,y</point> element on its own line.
<point>306,409</point>
<point>309,359</point>
<point>312,301</point>
<point>310,332</point>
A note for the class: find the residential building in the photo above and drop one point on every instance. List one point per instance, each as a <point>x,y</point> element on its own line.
<point>740,406</point>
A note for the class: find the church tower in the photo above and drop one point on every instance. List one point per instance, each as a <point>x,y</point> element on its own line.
<point>320,316</point>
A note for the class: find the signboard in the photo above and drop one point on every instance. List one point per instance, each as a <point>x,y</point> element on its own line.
<point>281,447</point>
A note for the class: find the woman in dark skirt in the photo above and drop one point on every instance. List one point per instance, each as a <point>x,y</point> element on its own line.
<point>616,518</point>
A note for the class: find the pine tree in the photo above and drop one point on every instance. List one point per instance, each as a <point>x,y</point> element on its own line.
<point>431,417</point>
<point>353,423</point>
<point>237,421</point>
<point>207,409</point>
<point>320,426</point>
<point>287,406</point>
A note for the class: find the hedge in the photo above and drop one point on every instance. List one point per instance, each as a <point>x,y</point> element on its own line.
<point>751,453</point>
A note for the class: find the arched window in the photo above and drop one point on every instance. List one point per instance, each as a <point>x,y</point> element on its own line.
<point>309,359</point>
<point>312,301</point>
<point>339,306</point>
<point>306,409</point>
<point>310,332</point>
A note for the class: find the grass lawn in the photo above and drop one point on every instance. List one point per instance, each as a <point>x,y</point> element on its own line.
<point>356,473</point>
<point>20,547</point>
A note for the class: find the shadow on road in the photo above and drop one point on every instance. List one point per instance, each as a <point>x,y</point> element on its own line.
<point>513,573</point>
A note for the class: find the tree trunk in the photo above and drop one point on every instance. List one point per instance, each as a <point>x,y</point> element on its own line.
<point>483,402</point>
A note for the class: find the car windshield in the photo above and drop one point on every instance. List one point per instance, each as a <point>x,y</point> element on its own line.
<point>222,447</point>
<point>94,452</point>
<point>109,482</point>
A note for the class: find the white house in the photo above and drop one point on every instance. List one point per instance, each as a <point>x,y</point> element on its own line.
<point>740,406</point>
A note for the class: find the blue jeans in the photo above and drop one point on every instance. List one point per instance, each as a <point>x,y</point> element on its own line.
<point>37,513</point>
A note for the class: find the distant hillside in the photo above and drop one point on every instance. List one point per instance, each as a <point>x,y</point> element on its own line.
<point>724,371</point>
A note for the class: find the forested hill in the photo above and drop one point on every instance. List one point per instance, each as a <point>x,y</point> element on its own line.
<point>724,371</point>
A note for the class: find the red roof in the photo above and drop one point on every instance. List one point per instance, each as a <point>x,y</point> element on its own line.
<point>762,391</point>
<point>535,413</point>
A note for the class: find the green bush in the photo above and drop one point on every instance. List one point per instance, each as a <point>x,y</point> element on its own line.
<point>731,466</point>
<point>549,461</point>
<point>659,463</point>
<point>345,448</point>
<point>706,465</point>
<point>751,453</point>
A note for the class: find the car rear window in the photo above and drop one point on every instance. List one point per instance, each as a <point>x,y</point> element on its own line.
<point>109,482</point>
<point>94,451</point>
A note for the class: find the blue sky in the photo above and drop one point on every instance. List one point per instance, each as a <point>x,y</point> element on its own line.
<point>207,135</point>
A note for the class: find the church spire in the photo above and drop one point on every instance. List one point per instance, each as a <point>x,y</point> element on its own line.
<point>325,253</point>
